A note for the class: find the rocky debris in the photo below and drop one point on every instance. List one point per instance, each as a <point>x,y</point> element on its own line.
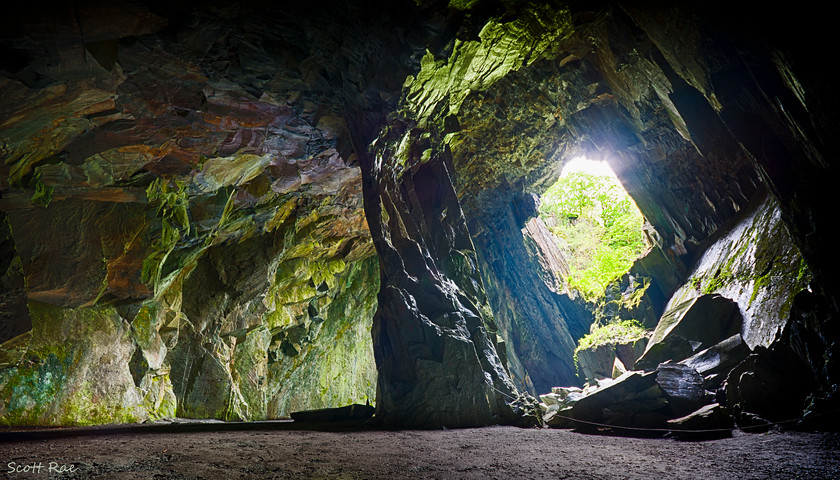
<point>710,376</point>
<point>563,396</point>
<point>671,397</point>
<point>555,405</point>
<point>695,324</point>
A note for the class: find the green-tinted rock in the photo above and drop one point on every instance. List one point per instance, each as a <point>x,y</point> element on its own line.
<point>75,371</point>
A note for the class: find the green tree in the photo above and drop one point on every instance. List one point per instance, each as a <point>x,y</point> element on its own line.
<point>598,226</point>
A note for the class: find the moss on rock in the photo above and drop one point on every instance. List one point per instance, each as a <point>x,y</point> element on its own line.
<point>75,371</point>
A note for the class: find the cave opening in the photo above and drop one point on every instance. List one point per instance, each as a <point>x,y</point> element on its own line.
<point>597,224</point>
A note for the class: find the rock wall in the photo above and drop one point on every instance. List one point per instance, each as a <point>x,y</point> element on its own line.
<point>178,222</point>
<point>539,319</point>
<point>434,335</point>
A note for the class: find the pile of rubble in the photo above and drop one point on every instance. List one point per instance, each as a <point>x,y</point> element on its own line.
<point>686,381</point>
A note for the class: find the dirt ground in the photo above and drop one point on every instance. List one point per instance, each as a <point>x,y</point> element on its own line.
<point>285,450</point>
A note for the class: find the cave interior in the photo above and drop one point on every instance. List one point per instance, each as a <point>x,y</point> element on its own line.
<point>241,210</point>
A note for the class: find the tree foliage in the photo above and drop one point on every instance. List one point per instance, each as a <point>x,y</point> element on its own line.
<point>598,227</point>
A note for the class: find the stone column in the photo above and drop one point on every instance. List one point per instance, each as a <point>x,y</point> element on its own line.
<point>438,363</point>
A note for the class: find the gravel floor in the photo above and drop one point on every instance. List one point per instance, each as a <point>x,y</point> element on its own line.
<point>283,450</point>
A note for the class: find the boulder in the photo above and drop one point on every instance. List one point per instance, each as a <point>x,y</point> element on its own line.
<point>598,361</point>
<point>692,325</point>
<point>562,396</point>
<point>629,352</point>
<point>555,406</point>
<point>770,383</point>
<point>682,386</point>
<point>720,357</point>
<point>715,362</point>
<point>348,412</point>
<point>632,400</point>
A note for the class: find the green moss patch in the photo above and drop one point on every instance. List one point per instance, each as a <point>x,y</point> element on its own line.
<point>624,331</point>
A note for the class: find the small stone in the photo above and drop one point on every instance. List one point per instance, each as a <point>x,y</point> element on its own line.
<point>618,368</point>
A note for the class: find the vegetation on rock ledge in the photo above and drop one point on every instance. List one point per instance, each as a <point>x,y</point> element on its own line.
<point>619,332</point>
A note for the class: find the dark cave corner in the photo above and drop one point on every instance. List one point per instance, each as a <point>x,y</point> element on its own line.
<point>242,210</point>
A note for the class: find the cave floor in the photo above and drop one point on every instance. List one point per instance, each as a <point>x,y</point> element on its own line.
<point>282,450</point>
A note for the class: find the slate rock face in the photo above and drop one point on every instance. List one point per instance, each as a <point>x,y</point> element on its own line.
<point>432,329</point>
<point>770,383</point>
<point>598,361</point>
<point>755,264</point>
<point>208,206</point>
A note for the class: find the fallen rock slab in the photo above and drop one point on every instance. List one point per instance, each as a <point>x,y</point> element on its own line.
<point>689,327</point>
<point>719,357</point>
<point>348,412</point>
<point>632,400</point>
<point>716,361</point>
<point>707,422</point>
<point>682,386</point>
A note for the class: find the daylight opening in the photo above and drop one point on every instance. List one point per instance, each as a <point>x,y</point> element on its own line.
<point>597,225</point>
